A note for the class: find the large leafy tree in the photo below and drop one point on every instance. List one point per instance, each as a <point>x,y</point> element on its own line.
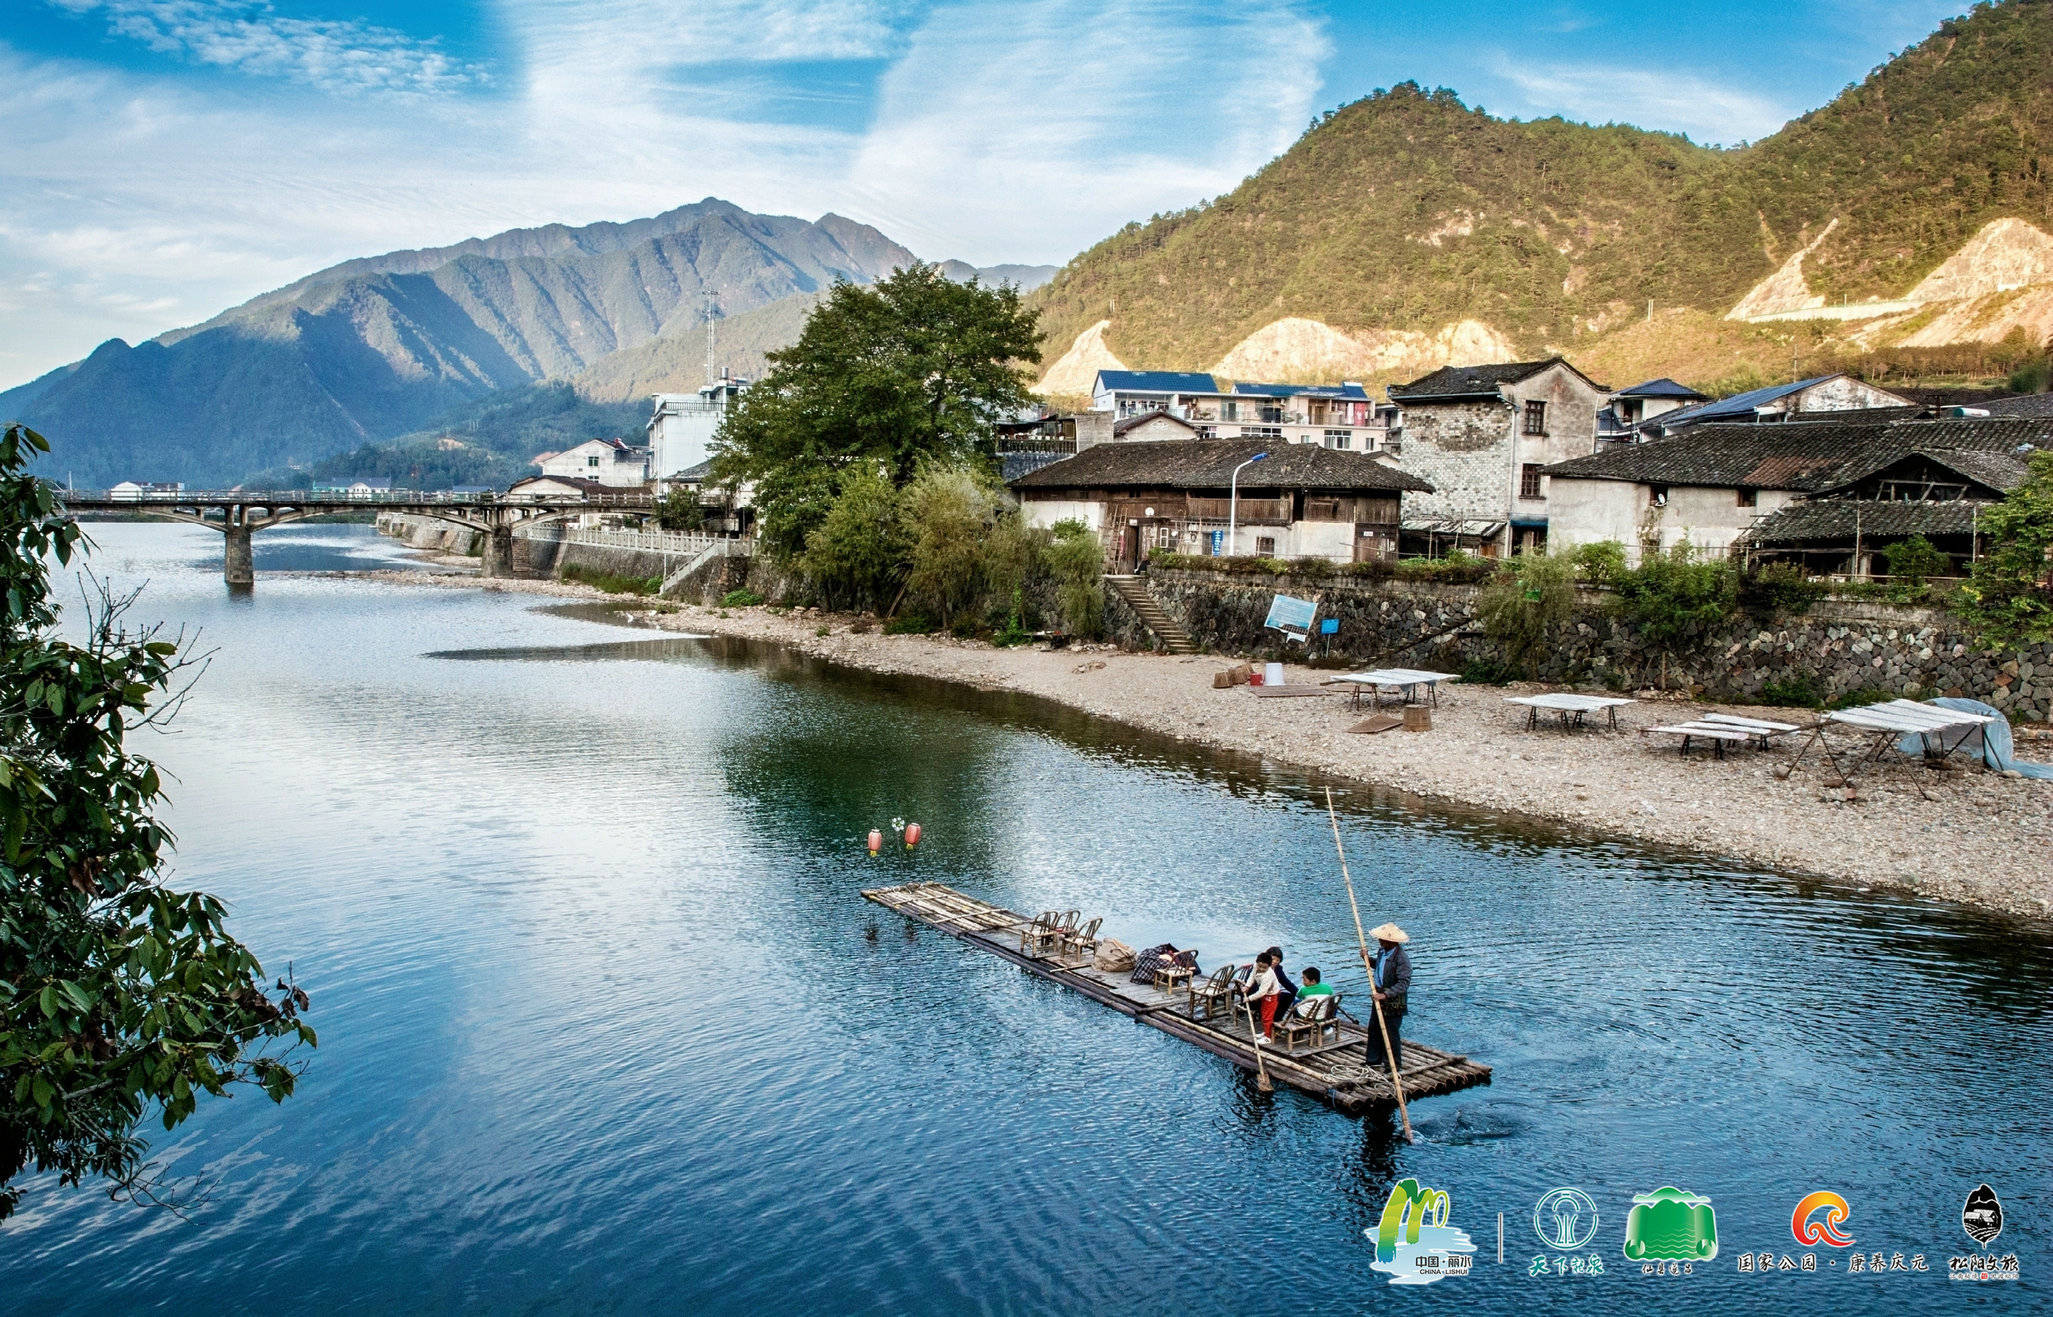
<point>119,997</point>
<point>911,370</point>
<point>2007,599</point>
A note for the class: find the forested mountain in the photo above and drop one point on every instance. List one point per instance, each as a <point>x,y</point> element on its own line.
<point>1404,215</point>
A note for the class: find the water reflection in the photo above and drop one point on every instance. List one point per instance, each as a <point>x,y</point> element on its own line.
<point>607,1025</point>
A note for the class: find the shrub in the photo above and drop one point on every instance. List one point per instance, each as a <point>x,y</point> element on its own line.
<point>1914,560</point>
<point>740,597</point>
<point>856,556</point>
<point>951,513</point>
<point>1486,672</point>
<point>1853,699</point>
<point>1795,693</point>
<point>909,624</point>
<point>612,582</point>
<point>2005,598</point>
<point>1780,587</point>
<point>680,511</point>
<point>822,631</point>
<point>1076,560</point>
<point>1674,599</point>
<point>1600,563</point>
<point>1525,606</point>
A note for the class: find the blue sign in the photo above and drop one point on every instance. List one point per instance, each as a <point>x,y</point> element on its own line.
<point>1329,626</point>
<point>1288,614</point>
<point>1218,543</point>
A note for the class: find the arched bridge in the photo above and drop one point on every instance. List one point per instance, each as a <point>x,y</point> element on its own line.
<point>240,513</point>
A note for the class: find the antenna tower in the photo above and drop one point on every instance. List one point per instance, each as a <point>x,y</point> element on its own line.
<point>712,314</point>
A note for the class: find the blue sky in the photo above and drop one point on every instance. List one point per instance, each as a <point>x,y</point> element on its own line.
<point>165,159</point>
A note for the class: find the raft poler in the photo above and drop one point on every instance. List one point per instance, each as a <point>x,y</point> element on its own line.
<point>1390,975</point>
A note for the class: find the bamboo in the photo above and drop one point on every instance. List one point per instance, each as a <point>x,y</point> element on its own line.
<point>1255,1032</point>
<point>1389,1056</point>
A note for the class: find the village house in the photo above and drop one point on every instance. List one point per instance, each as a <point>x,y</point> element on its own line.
<point>1830,494</point>
<point>681,426</point>
<point>610,462</point>
<point>1779,403</point>
<point>1482,436</point>
<point>1341,416</point>
<point>1629,409</point>
<point>1179,495</point>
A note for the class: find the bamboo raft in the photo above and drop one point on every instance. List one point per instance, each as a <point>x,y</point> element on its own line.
<point>1335,1072</point>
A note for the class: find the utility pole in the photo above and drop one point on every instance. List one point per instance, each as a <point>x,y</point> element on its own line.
<point>712,314</point>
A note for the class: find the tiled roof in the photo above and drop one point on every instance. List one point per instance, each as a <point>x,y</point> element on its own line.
<point>1740,406</point>
<point>697,471</point>
<point>1661,388</point>
<point>1156,381</point>
<point>1838,519</point>
<point>578,483</point>
<point>1801,455</point>
<point>1468,381</point>
<point>1131,422</point>
<point>2029,404</point>
<point>1209,463</point>
<point>1355,391</point>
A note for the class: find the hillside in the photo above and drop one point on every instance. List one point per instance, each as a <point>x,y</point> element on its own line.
<point>382,346</point>
<point>1407,229</point>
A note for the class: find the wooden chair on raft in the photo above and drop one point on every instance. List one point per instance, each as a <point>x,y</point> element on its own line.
<point>1320,1017</point>
<point>1211,996</point>
<point>1078,943</point>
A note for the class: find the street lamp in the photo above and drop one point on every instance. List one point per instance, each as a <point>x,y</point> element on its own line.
<point>1233,502</point>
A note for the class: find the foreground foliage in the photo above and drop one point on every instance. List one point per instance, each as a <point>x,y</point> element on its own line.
<point>119,996</point>
<point>2006,598</point>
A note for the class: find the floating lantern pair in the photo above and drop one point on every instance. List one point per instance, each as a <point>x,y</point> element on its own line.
<point>912,836</point>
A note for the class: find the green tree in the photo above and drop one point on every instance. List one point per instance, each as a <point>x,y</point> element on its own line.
<point>680,511</point>
<point>119,996</point>
<point>2006,598</point>
<point>856,556</point>
<point>951,513</point>
<point>912,370</point>
<point>1675,599</point>
<point>1525,607</point>
<point>1076,560</point>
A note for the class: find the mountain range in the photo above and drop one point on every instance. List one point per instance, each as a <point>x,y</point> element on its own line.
<point>1408,230</point>
<point>385,345</point>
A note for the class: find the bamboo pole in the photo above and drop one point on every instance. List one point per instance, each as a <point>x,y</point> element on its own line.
<point>1396,1080</point>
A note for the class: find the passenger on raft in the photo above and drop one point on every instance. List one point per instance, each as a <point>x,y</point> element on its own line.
<point>1289,989</point>
<point>1314,988</point>
<point>1264,992</point>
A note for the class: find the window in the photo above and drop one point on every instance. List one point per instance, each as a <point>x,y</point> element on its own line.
<point>1208,432</point>
<point>1261,432</point>
<point>1536,418</point>
<point>1529,480</point>
<point>1339,438</point>
<point>1265,546</point>
<point>1749,497</point>
<point>1657,495</point>
<point>593,460</point>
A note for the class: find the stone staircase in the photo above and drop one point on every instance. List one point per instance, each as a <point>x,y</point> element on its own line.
<point>1142,600</point>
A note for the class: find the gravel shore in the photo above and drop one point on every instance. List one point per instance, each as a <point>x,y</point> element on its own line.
<point>1983,839</point>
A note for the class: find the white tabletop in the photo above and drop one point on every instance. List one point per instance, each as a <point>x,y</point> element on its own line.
<point>1399,677</point>
<point>1568,703</point>
<point>1906,716</point>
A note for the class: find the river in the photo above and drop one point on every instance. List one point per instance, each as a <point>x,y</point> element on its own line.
<point>605,1026</point>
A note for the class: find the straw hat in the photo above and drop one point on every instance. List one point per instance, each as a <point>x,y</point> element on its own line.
<point>1389,933</point>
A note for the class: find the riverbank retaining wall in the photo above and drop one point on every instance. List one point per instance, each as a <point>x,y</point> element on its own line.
<point>1835,648</point>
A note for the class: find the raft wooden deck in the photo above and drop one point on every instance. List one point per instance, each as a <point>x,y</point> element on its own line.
<point>1336,1072</point>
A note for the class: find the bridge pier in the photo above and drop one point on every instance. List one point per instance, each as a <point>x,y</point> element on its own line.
<point>498,552</point>
<point>238,559</point>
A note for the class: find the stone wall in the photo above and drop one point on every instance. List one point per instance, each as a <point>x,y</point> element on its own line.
<point>417,532</point>
<point>1836,648</point>
<point>1462,449</point>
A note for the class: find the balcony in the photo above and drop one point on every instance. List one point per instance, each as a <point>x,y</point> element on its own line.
<point>1252,512</point>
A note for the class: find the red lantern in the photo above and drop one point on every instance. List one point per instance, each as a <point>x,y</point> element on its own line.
<point>912,835</point>
<point>876,841</point>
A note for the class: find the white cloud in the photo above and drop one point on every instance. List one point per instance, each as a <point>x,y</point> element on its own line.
<point>1022,131</point>
<point>250,36</point>
<point>1669,101</point>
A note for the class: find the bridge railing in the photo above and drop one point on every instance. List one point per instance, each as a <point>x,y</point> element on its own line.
<point>367,497</point>
<point>642,541</point>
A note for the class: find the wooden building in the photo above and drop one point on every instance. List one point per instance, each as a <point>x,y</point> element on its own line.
<point>1295,500</point>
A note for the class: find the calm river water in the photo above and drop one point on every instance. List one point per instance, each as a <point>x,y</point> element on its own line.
<point>606,1028</point>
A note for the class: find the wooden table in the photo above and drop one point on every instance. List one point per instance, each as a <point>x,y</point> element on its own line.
<point>1405,680</point>
<point>1168,976</point>
<point>1574,709</point>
